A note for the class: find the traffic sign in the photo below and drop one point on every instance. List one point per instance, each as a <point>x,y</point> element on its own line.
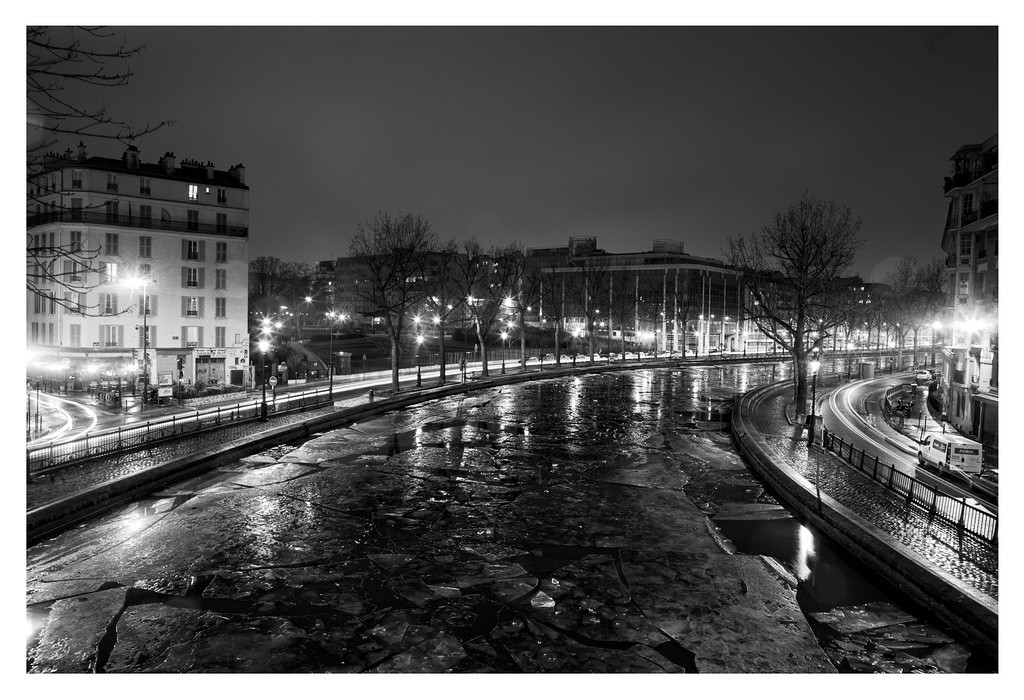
<point>272,381</point>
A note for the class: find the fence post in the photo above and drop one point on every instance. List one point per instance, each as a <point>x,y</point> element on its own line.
<point>861,459</point>
<point>892,468</point>
<point>910,492</point>
<point>874,470</point>
<point>935,498</point>
<point>960,520</point>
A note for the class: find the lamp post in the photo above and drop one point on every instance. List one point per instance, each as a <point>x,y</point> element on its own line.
<point>814,366</point>
<point>504,337</point>
<point>419,375</point>
<point>330,369</point>
<point>136,282</point>
<point>263,345</point>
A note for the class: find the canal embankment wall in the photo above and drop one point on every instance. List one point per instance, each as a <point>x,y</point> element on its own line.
<point>973,614</point>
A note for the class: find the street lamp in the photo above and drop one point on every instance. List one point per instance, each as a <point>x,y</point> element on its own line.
<point>263,345</point>
<point>419,344</point>
<point>330,352</point>
<point>504,337</point>
<point>135,283</point>
<point>814,367</point>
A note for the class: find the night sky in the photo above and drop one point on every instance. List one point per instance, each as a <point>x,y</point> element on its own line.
<point>535,134</point>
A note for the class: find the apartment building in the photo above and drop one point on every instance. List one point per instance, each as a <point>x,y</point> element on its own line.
<point>970,378</point>
<point>125,255</point>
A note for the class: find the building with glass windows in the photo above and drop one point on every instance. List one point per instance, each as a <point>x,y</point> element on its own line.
<point>969,387</point>
<point>124,255</point>
<point>662,298</point>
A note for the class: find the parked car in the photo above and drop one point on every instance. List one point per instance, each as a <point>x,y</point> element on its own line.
<point>923,376</point>
<point>550,357</point>
<point>565,359</point>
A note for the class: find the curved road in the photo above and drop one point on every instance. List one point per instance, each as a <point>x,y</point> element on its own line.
<point>855,413</point>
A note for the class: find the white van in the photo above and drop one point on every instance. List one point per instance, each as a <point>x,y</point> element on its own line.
<point>949,451</point>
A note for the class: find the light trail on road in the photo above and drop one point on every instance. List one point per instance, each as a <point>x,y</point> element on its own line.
<point>65,432</point>
<point>840,403</point>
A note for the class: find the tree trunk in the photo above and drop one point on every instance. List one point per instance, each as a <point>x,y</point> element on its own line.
<point>440,349</point>
<point>483,352</point>
<point>558,354</point>
<point>522,340</point>
<point>394,363</point>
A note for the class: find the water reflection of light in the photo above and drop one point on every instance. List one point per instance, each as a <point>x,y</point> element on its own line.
<point>805,553</point>
<point>33,626</point>
<point>573,409</point>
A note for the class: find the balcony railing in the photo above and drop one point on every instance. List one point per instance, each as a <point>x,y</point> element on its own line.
<point>102,218</point>
<point>968,217</point>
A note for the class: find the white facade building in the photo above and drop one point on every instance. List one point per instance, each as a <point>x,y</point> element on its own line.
<point>182,228</point>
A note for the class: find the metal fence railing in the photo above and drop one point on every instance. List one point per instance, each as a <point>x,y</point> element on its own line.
<point>968,519</point>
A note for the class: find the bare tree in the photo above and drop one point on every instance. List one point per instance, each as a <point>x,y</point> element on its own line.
<point>622,304</point>
<point>59,61</point>
<point>792,267</point>
<point>593,287</point>
<point>274,282</point>
<point>488,281</point>
<point>391,252</point>
<point>445,297</point>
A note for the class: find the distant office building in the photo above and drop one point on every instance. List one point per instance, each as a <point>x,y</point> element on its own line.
<point>664,297</point>
<point>970,377</point>
<point>182,226</point>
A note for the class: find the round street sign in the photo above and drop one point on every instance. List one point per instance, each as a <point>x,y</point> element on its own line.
<point>273,381</point>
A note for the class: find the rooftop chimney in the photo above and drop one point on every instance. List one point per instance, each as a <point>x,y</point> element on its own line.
<point>237,172</point>
<point>81,151</point>
<point>209,170</point>
<point>131,158</point>
<point>168,162</point>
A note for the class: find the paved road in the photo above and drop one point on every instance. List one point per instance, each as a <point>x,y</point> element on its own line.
<point>855,413</point>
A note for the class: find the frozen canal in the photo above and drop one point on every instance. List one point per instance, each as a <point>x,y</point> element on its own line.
<point>598,523</point>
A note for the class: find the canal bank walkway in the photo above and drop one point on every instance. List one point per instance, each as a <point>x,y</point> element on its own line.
<point>970,561</point>
<point>953,575</point>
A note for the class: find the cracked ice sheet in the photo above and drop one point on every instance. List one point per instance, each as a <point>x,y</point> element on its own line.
<point>652,471</point>
<point>610,516</point>
<point>253,526</point>
<point>160,639</point>
<point>732,611</point>
<point>70,636</point>
<point>536,648</point>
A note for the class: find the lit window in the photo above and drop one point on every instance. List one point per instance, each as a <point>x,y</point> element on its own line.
<point>192,277</point>
<point>192,306</point>
<point>192,250</point>
<point>193,192</point>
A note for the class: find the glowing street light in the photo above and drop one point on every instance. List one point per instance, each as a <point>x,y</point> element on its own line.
<point>263,346</point>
